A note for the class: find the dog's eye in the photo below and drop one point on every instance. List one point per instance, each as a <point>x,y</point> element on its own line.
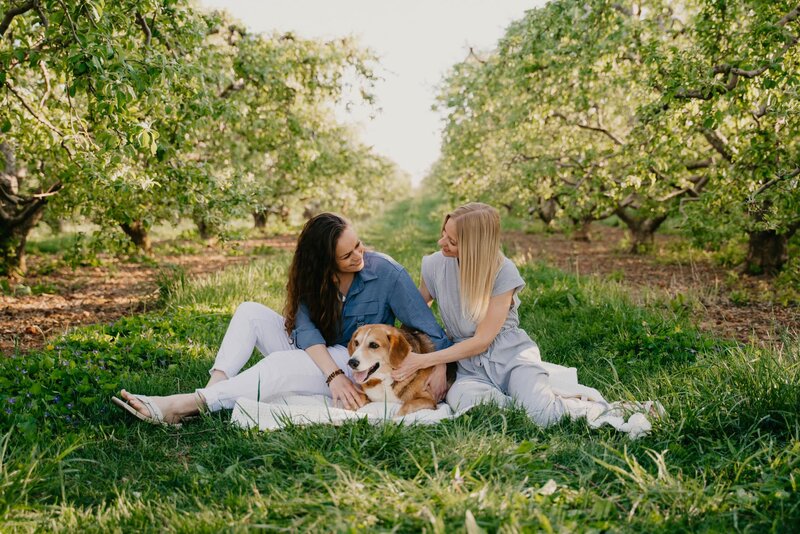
<point>355,343</point>
<point>373,345</point>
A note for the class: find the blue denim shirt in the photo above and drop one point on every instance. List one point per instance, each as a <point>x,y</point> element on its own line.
<point>380,292</point>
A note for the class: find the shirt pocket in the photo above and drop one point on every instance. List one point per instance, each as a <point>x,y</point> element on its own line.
<point>361,313</point>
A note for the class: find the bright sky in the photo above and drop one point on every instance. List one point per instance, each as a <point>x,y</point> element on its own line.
<point>416,41</point>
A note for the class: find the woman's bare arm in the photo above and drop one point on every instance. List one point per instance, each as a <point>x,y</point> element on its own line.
<point>485,333</point>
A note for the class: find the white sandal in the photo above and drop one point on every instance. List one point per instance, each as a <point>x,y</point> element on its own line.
<point>156,416</point>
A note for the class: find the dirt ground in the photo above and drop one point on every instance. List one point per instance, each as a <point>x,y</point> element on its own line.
<point>91,295</point>
<point>707,285</point>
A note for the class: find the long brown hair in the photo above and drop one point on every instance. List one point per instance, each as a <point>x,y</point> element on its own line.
<point>311,276</point>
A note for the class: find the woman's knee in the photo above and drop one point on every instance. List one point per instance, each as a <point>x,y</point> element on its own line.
<point>263,315</point>
<point>252,309</point>
<point>538,400</point>
<point>467,393</point>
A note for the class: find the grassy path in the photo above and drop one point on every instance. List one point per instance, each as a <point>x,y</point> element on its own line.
<point>727,458</point>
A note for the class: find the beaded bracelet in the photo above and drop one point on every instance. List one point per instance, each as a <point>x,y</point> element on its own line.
<point>332,376</point>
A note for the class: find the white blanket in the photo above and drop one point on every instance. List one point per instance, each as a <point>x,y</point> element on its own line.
<point>579,400</point>
<point>302,410</point>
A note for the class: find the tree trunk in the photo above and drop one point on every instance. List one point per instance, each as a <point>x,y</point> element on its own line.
<point>260,219</point>
<point>206,229</point>
<point>767,251</point>
<point>547,210</point>
<point>642,230</point>
<point>13,236</point>
<point>18,215</point>
<point>580,230</point>
<point>138,233</point>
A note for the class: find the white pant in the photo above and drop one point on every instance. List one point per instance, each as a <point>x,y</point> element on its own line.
<point>481,380</point>
<point>283,370</point>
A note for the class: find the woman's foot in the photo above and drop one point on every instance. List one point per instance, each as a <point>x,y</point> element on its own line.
<point>173,407</point>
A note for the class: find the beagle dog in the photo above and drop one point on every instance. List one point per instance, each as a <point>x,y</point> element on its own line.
<point>375,351</point>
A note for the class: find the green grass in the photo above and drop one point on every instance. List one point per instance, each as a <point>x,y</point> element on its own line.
<point>727,457</point>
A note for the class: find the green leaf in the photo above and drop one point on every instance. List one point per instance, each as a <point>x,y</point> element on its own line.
<point>525,447</point>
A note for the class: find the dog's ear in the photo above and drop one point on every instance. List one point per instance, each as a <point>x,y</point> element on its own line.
<point>398,349</point>
<point>351,347</point>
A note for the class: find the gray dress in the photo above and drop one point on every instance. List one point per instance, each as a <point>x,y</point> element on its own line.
<point>441,276</point>
<point>511,367</point>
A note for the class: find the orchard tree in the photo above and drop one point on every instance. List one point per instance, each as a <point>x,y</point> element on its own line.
<point>640,109</point>
<point>738,85</point>
<point>74,78</point>
<point>274,139</point>
<point>551,118</point>
<point>148,111</point>
<point>360,180</point>
<point>240,118</point>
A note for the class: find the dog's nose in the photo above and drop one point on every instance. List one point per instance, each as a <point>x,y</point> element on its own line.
<point>353,363</point>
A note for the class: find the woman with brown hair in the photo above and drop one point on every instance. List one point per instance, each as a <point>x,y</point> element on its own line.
<point>476,288</point>
<point>334,287</point>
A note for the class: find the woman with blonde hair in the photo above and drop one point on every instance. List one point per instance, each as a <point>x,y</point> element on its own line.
<point>476,288</point>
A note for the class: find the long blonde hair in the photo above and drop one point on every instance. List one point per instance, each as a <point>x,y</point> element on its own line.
<point>478,234</point>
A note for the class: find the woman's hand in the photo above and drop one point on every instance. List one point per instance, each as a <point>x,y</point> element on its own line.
<point>346,394</point>
<point>413,363</point>
<point>437,382</point>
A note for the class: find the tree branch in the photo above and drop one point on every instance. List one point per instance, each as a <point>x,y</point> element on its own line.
<point>9,157</point>
<point>702,164</point>
<point>718,143</point>
<point>148,35</point>
<point>474,55</point>
<point>4,215</point>
<point>627,201</point>
<point>623,215</point>
<point>622,9</point>
<point>46,75</point>
<point>734,73</point>
<point>584,126</point>
<point>694,192</point>
<point>31,111</point>
<point>39,11</point>
<point>9,197</point>
<point>789,17</point>
<point>36,204</point>
<point>13,12</point>
<point>759,112</point>
<point>774,181</point>
<point>71,22</point>
<point>42,119</point>
<point>234,86</point>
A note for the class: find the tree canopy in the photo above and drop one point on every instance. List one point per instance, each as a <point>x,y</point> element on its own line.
<point>639,109</point>
<point>137,112</point>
